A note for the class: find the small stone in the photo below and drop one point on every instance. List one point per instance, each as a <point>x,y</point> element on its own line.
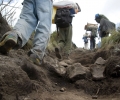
<point>63,89</point>
<point>56,84</point>
<point>94,97</point>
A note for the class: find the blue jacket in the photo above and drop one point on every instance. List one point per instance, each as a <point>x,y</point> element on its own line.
<point>72,11</point>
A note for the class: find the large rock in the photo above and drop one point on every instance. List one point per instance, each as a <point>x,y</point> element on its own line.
<point>54,65</point>
<point>69,61</point>
<point>100,61</point>
<point>97,72</point>
<point>77,71</point>
<point>62,63</point>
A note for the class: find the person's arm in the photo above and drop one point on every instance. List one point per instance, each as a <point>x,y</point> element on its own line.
<point>79,9</point>
<point>102,25</point>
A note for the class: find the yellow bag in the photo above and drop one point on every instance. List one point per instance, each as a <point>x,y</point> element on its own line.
<point>53,14</point>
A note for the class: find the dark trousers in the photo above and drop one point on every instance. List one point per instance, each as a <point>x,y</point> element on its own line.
<point>92,42</point>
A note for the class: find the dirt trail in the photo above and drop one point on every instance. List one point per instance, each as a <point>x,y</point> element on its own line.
<point>20,79</point>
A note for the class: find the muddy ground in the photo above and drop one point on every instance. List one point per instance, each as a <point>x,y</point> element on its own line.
<point>20,79</point>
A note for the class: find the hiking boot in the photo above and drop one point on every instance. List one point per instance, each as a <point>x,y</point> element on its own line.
<point>57,52</point>
<point>34,58</point>
<point>8,41</point>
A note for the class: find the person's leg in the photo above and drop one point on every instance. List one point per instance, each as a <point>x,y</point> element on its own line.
<point>68,37</point>
<point>61,38</point>
<point>61,42</point>
<point>92,40</point>
<point>85,45</point>
<point>27,22</point>
<point>44,14</point>
<point>23,28</point>
<point>93,43</point>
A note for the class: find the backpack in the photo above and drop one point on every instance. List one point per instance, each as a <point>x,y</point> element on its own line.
<point>63,17</point>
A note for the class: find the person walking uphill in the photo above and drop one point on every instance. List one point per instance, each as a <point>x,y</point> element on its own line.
<point>106,26</point>
<point>93,29</point>
<point>93,35</point>
<point>64,26</point>
<point>85,38</point>
<point>35,15</point>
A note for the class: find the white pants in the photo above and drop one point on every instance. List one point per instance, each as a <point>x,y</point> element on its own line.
<point>85,45</point>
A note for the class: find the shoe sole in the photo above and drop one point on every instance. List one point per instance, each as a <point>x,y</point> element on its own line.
<point>6,46</point>
<point>57,53</point>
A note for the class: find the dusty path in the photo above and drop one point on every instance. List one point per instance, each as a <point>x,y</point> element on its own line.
<point>21,80</point>
<point>69,95</point>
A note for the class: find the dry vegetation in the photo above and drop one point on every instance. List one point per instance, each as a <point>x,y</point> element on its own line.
<point>111,41</point>
<point>8,11</point>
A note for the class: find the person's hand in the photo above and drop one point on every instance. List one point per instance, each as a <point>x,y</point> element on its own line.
<point>76,11</point>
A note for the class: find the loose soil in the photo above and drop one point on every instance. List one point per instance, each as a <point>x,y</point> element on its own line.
<point>20,79</point>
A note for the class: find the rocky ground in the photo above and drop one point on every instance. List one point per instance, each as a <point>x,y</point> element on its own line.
<point>85,75</point>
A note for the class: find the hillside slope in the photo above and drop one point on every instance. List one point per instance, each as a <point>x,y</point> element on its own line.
<point>66,79</point>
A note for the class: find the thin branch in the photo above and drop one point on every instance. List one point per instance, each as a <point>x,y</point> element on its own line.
<point>8,14</point>
<point>11,6</point>
<point>10,10</point>
<point>6,4</point>
<point>11,15</point>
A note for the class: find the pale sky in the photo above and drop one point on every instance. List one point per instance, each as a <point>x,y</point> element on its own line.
<point>110,8</point>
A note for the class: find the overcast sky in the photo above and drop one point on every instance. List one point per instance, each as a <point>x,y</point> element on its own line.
<point>110,8</point>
